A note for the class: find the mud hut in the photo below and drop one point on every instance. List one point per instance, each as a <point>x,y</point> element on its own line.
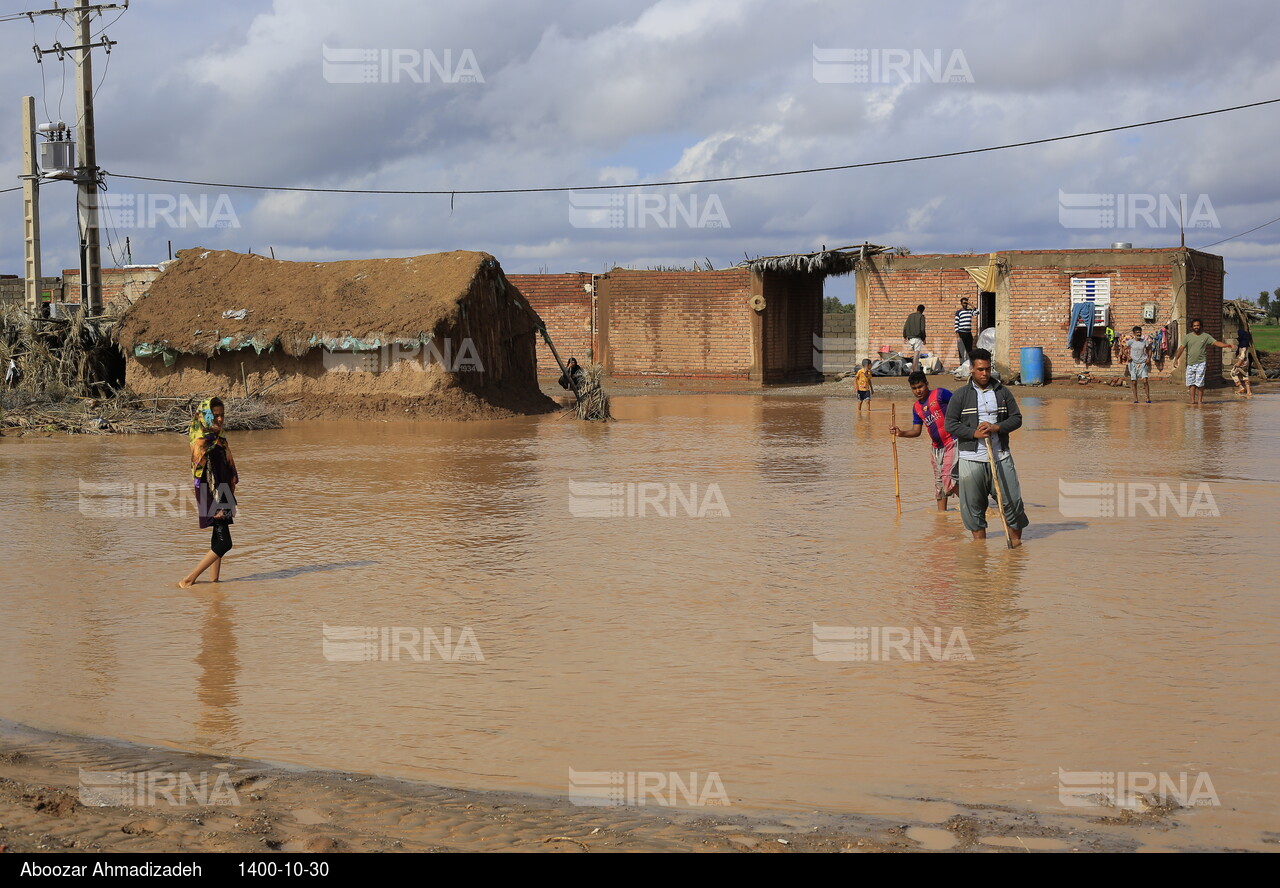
<point>443,335</point>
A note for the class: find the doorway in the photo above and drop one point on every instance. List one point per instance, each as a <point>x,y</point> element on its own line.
<point>986,311</point>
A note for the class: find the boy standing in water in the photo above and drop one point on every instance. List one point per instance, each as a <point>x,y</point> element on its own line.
<point>1140,362</point>
<point>930,412</point>
<point>863,382</point>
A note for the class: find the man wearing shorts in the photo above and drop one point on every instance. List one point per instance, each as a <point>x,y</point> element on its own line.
<point>1140,362</point>
<point>1196,345</point>
<point>930,411</point>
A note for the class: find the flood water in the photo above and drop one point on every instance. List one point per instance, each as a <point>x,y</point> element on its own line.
<point>672,642</point>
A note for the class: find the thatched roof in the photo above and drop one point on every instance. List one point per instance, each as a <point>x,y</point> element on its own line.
<point>841,260</point>
<point>298,306</point>
<point>1238,308</point>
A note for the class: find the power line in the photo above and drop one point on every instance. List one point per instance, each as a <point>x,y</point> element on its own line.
<point>828,169</point>
<point>1241,234</point>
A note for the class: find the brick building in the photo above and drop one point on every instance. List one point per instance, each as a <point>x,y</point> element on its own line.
<point>1027,295</point>
<point>120,286</point>
<point>566,304</point>
<point>758,322</point>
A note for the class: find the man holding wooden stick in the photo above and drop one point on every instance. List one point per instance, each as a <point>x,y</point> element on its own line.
<point>930,412</point>
<point>981,415</point>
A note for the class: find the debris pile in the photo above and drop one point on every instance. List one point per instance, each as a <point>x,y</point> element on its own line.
<point>23,413</point>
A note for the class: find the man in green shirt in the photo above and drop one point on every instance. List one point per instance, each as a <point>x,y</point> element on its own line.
<point>1196,345</point>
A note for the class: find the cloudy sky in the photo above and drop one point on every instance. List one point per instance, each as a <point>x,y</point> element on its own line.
<point>397,94</point>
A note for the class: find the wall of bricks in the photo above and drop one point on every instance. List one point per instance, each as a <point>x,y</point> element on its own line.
<point>1033,300</point>
<point>1204,301</point>
<point>119,285</point>
<point>896,285</point>
<point>839,351</point>
<point>13,289</point>
<point>564,303</point>
<point>679,323</point>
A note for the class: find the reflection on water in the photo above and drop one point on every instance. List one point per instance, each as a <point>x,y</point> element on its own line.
<point>668,643</point>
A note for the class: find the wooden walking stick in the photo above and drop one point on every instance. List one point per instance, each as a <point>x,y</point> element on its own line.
<point>897,492</point>
<point>995,479</point>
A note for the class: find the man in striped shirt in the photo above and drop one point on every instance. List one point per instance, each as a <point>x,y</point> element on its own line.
<point>964,329</point>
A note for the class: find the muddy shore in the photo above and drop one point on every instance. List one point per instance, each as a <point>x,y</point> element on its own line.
<point>277,808</point>
<point>895,388</point>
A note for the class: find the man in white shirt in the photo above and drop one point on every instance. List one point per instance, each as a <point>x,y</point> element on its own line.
<point>979,415</point>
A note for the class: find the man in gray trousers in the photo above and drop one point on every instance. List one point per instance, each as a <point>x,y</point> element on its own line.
<point>980,414</point>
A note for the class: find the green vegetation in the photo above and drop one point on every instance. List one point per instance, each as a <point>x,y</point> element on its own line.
<point>832,305</point>
<point>1265,338</point>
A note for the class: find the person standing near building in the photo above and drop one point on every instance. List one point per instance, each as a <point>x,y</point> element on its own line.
<point>862,381</point>
<point>964,329</point>
<point>981,415</point>
<point>930,411</point>
<point>1140,362</point>
<point>1196,345</point>
<point>914,334</point>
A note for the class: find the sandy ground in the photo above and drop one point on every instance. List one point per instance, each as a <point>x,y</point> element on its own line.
<point>301,811</point>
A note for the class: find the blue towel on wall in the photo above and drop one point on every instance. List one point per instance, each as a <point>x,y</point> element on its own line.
<point>1081,311</point>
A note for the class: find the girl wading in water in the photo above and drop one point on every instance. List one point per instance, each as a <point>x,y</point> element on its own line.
<point>214,471</point>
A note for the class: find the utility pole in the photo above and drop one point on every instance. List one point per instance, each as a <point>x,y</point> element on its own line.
<point>30,207</point>
<point>87,181</point>
<point>87,173</point>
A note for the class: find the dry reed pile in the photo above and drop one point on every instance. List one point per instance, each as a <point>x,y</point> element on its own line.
<point>593,403</point>
<point>124,414</point>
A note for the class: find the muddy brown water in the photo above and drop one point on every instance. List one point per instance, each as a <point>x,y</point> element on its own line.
<point>660,644</point>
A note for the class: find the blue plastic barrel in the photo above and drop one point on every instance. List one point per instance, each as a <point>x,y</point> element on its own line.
<point>1033,365</point>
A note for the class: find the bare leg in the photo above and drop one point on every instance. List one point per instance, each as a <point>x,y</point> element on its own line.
<point>215,570</point>
<point>1016,536</point>
<point>1146,387</point>
<point>942,503</point>
<point>1135,390</point>
<point>980,534</point>
<point>190,579</point>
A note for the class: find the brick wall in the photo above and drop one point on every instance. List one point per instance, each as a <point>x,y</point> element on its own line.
<point>839,351</point>
<point>119,285</point>
<point>895,286</point>
<point>564,303</point>
<point>1033,300</point>
<point>680,323</point>
<point>13,289</point>
<point>1204,301</point>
